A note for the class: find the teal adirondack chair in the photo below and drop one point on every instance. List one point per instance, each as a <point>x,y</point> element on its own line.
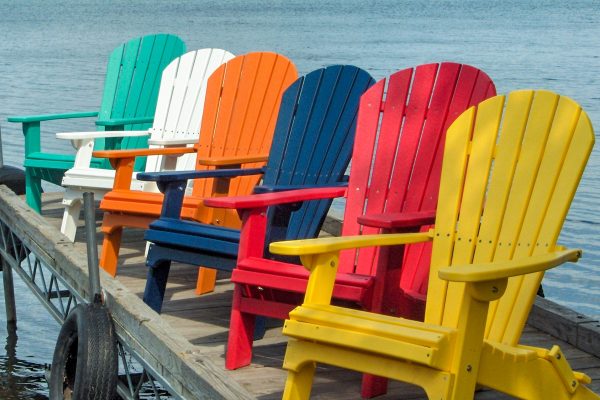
<point>128,103</point>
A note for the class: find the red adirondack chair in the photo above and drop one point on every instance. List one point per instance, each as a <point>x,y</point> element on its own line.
<point>394,182</point>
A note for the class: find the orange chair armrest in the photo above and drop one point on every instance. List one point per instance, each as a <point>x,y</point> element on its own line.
<point>231,160</point>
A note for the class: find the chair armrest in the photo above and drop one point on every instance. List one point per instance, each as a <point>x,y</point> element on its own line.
<point>31,127</point>
<point>86,139</point>
<point>173,183</point>
<point>506,269</point>
<point>252,210</point>
<point>124,121</point>
<point>116,154</point>
<point>235,160</point>
<point>276,198</point>
<point>49,117</point>
<point>99,134</point>
<point>172,142</point>
<point>123,161</point>
<point>172,176</point>
<point>335,244</point>
<point>281,188</point>
<point>320,257</point>
<point>398,220</point>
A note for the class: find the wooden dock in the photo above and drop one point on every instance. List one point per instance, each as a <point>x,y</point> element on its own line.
<point>186,343</point>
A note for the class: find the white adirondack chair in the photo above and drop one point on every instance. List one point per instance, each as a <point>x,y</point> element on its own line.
<point>176,122</point>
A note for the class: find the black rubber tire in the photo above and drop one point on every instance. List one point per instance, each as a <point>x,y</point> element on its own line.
<point>85,362</point>
<point>14,178</point>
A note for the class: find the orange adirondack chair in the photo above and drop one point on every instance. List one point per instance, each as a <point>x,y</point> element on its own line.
<point>395,171</point>
<point>240,111</point>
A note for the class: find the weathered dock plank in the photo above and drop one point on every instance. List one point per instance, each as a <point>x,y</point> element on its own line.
<point>186,343</point>
<point>566,324</point>
<point>168,352</point>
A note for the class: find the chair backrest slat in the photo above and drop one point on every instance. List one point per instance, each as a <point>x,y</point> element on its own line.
<point>397,160</point>
<point>511,168</point>
<point>320,137</point>
<point>243,99</point>
<point>557,176</point>
<point>191,112</point>
<point>132,84</point>
<point>180,102</point>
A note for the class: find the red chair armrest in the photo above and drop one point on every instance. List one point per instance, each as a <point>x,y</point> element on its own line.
<point>398,220</point>
<point>271,199</point>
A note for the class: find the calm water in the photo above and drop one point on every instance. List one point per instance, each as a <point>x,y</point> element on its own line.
<point>53,55</point>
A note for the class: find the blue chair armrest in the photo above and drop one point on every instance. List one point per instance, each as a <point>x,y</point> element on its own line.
<point>173,184</point>
<point>280,188</point>
<point>170,176</point>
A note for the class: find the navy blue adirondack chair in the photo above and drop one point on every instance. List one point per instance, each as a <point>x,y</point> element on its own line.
<point>311,147</point>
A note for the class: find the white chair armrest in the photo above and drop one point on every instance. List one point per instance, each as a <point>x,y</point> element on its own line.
<point>99,134</point>
<point>172,142</point>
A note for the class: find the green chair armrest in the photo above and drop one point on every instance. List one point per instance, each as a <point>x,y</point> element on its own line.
<point>31,126</point>
<point>49,117</point>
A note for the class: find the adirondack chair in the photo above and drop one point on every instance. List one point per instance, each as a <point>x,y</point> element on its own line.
<point>395,170</point>
<point>242,99</point>
<point>311,147</point>
<point>128,103</point>
<point>176,123</point>
<point>510,170</point>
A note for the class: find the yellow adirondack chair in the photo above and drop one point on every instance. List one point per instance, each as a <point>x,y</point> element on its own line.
<point>511,167</point>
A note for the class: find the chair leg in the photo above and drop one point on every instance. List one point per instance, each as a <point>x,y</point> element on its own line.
<point>518,373</point>
<point>241,334</point>
<point>33,191</point>
<point>110,250</point>
<point>156,284</point>
<point>584,393</point>
<point>299,383</point>
<point>70,217</point>
<point>373,386</point>
<point>207,278</point>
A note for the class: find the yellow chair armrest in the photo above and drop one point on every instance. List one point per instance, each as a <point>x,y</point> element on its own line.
<point>320,257</point>
<point>334,244</point>
<point>506,269</point>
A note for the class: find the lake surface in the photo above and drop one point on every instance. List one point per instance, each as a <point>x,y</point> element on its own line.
<point>53,55</point>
